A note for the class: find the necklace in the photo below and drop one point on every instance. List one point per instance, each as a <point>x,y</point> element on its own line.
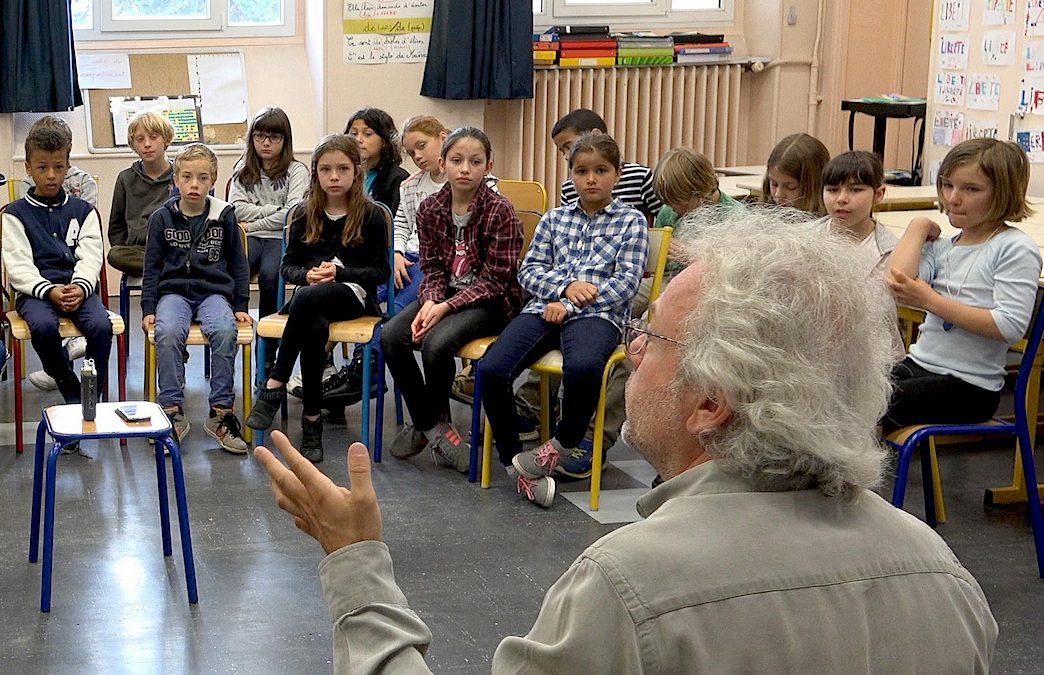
<point>948,325</point>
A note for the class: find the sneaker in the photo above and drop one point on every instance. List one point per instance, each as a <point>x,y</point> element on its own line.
<point>266,405</point>
<point>449,448</point>
<point>180,424</point>
<point>72,448</point>
<point>540,491</point>
<point>463,388</point>
<point>294,386</point>
<point>76,347</point>
<point>528,429</point>
<point>538,462</point>
<point>42,380</point>
<point>408,442</point>
<point>312,440</point>
<point>580,462</point>
<point>223,426</point>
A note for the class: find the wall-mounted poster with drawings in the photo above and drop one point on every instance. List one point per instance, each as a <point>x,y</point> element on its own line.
<point>1031,98</point>
<point>947,127</point>
<point>1035,18</point>
<point>953,52</point>
<point>1033,57</point>
<point>953,14</point>
<point>980,129</point>
<point>949,88</point>
<point>998,48</point>
<point>998,12</point>
<point>1032,141</point>
<point>984,92</point>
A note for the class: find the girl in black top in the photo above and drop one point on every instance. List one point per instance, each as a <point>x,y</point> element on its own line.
<point>337,254</point>
<point>381,154</point>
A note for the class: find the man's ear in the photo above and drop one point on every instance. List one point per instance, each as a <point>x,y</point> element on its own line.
<point>709,412</point>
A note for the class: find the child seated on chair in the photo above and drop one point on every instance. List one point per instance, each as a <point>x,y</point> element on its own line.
<point>582,269</point>
<point>195,268</point>
<point>977,288</point>
<point>52,251</point>
<point>77,183</point>
<point>139,190</point>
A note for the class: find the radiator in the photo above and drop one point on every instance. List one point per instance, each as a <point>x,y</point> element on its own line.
<point>649,110</point>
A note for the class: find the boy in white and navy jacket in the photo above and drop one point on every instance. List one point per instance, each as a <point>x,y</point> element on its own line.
<point>195,267</point>
<point>52,251</point>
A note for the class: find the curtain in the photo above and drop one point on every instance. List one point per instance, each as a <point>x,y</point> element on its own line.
<point>480,49</point>
<point>37,62</point>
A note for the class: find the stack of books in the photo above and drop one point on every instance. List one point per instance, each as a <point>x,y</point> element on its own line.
<point>545,53</point>
<point>585,46</point>
<point>635,49</point>
<point>701,48</point>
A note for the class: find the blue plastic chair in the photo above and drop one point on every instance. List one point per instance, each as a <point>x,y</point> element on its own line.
<point>1019,428</point>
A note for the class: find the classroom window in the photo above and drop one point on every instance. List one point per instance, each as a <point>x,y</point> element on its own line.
<point>137,19</point>
<point>627,14</point>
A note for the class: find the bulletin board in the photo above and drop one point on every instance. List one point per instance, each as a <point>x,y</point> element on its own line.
<point>152,74</point>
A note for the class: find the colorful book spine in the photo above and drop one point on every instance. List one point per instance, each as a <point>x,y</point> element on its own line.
<point>704,49</point>
<point>587,44</point>
<point>587,53</point>
<point>576,63</point>
<point>703,58</point>
<point>628,51</point>
<point>544,56</point>
<point>644,60</point>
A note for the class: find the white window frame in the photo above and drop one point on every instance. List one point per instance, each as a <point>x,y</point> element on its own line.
<point>214,26</point>
<point>633,15</point>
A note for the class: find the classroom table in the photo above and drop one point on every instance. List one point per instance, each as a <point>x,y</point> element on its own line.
<point>728,185</point>
<point>747,170</point>
<point>897,197</point>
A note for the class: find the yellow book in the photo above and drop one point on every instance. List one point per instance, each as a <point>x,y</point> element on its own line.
<point>544,55</point>
<point>593,61</point>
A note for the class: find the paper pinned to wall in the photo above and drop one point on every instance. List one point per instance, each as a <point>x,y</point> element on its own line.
<point>998,12</point>
<point>1035,18</point>
<point>984,92</point>
<point>1032,141</point>
<point>220,83</point>
<point>953,14</point>
<point>998,48</point>
<point>953,52</point>
<point>950,88</point>
<point>947,127</point>
<point>103,70</point>
<point>389,31</point>
<point>181,111</point>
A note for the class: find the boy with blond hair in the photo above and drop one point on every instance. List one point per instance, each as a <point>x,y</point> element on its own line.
<point>195,267</point>
<point>140,189</point>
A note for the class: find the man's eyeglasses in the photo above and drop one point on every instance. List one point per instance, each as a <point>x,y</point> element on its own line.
<point>261,137</point>
<point>636,333</point>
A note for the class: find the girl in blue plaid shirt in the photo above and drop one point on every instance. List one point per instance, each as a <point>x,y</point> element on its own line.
<point>582,270</point>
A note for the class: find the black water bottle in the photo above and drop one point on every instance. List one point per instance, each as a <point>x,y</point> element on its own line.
<point>89,390</point>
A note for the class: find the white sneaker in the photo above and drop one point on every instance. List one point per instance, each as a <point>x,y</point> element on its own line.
<point>294,386</point>
<point>42,381</point>
<point>77,347</point>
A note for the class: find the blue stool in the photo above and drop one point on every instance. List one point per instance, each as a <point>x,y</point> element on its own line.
<point>65,424</point>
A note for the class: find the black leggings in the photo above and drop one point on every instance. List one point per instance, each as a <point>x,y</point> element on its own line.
<point>922,397</point>
<point>307,330</point>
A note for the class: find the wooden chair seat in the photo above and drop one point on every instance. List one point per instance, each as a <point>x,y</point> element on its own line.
<point>20,329</point>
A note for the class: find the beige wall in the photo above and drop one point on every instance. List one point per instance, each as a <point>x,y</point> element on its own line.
<point>865,46</point>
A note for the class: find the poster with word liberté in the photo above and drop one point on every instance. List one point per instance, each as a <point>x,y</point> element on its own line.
<point>953,52</point>
<point>387,31</point>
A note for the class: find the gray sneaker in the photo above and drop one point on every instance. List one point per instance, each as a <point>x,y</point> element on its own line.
<point>407,443</point>
<point>449,448</point>
<point>540,491</point>
<point>223,426</point>
<point>180,424</point>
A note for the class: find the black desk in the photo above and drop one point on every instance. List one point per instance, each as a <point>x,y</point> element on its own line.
<point>881,112</point>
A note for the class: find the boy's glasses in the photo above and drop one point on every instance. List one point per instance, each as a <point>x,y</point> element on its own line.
<point>261,137</point>
<point>636,333</point>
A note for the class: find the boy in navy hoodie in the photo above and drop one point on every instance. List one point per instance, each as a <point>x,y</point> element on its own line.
<point>52,251</point>
<point>195,266</point>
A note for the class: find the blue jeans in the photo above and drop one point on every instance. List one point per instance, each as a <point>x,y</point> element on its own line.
<point>586,344</point>
<point>403,296</point>
<point>90,318</point>
<point>174,315</point>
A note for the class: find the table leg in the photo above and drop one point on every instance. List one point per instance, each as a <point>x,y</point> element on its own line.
<point>34,521</point>
<point>880,135</point>
<point>48,544</point>
<point>161,485</point>
<point>186,535</point>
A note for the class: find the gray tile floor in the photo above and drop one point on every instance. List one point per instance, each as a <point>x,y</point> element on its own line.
<point>475,563</point>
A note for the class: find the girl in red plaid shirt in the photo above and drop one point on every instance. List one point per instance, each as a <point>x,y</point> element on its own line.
<point>470,241</point>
